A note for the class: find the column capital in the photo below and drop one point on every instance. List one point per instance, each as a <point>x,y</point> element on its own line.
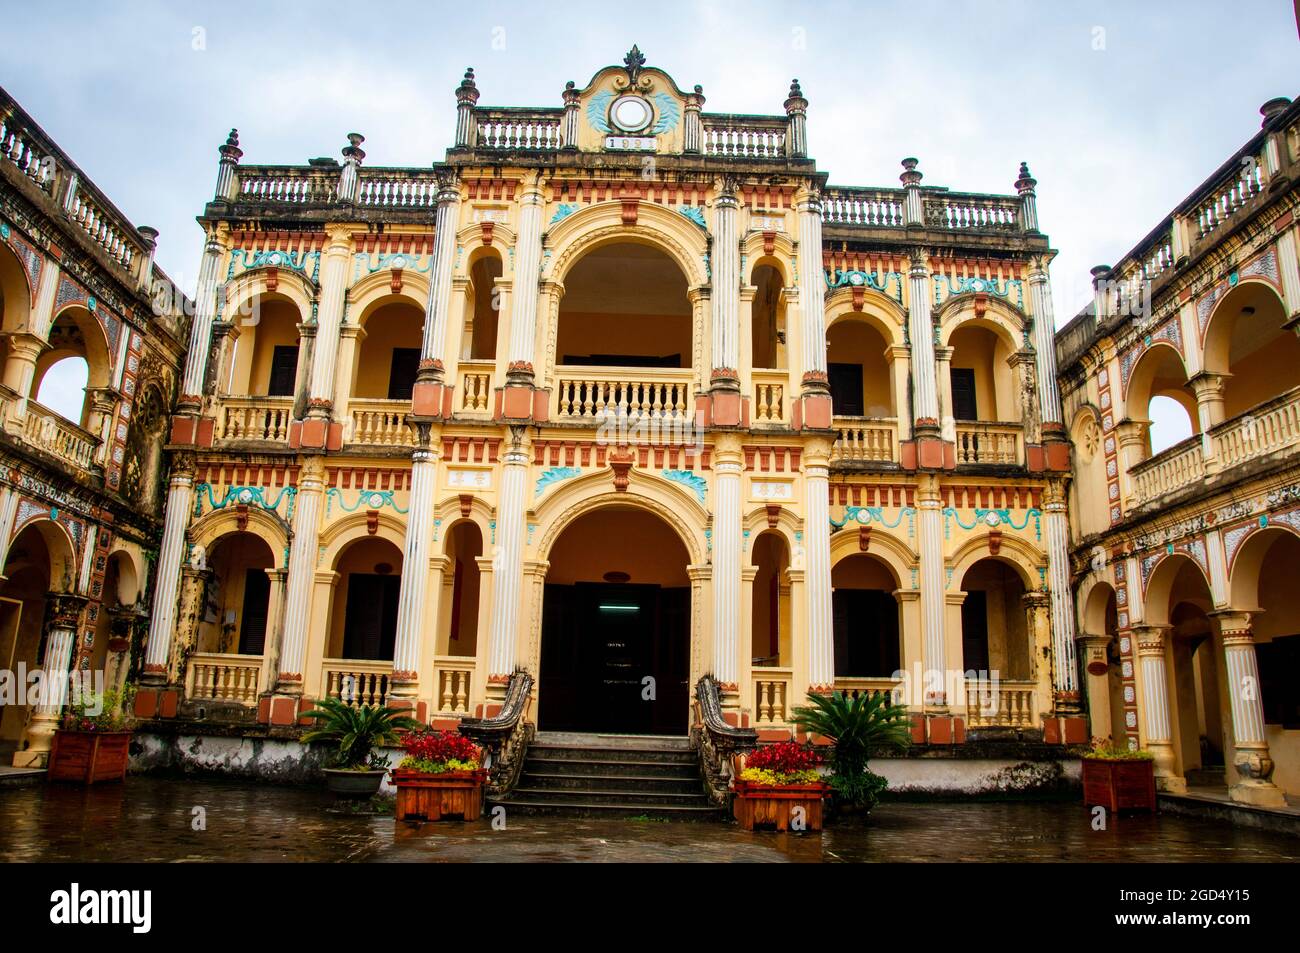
<point>1235,625</point>
<point>340,237</point>
<point>1208,385</point>
<point>1151,638</point>
<point>728,450</point>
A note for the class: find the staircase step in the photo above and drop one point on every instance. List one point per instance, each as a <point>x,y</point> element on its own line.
<point>589,740</point>
<point>636,755</point>
<point>536,805</point>
<point>527,792</point>
<point>633,784</point>
<point>567,765</point>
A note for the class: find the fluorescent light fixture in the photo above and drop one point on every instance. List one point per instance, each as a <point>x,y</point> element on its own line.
<point>611,608</point>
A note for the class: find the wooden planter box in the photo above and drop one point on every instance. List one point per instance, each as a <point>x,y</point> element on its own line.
<point>761,805</point>
<point>436,797</point>
<point>88,756</point>
<point>1119,785</point>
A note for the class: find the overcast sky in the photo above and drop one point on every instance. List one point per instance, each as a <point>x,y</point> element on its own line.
<point>1120,109</point>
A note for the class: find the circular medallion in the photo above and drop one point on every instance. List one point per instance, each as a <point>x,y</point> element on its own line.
<point>376,500</point>
<point>630,113</point>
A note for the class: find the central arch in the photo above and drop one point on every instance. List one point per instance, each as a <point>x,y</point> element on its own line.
<point>616,610</point>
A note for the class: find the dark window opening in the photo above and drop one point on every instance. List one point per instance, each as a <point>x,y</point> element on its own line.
<point>401,375</point>
<point>1279,680</point>
<point>963,394</point>
<point>623,360</point>
<point>284,371</point>
<point>865,624</point>
<point>846,389</point>
<point>252,620</point>
<point>975,631</point>
<point>370,624</point>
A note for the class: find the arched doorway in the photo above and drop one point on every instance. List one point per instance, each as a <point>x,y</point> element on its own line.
<point>237,597</point>
<point>1178,596</point>
<point>1263,579</point>
<point>363,623</point>
<point>994,633</point>
<point>1101,618</point>
<point>865,618</point>
<point>39,563</point>
<point>770,609</point>
<point>616,627</point>
<point>462,591</point>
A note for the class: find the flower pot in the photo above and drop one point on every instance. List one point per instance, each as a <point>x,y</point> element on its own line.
<point>85,757</point>
<point>354,784</point>
<point>1119,785</point>
<point>764,805</point>
<point>436,797</point>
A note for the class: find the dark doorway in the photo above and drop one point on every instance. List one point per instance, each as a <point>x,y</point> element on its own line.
<point>975,631</point>
<point>866,633</point>
<point>600,642</point>
<point>846,389</point>
<point>370,623</point>
<point>252,620</point>
<point>963,394</point>
<point>284,371</point>
<point>401,373</point>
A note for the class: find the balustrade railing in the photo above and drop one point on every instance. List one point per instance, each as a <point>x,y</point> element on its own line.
<point>62,438</point>
<point>599,393</point>
<point>33,158</point>
<point>769,397</point>
<point>455,674</point>
<point>254,418</point>
<point>288,185</point>
<point>1243,182</point>
<point>380,423</point>
<point>1171,469</point>
<point>988,442</point>
<point>853,687</point>
<point>758,137</point>
<point>224,677</point>
<point>1272,426</point>
<point>475,397</point>
<point>772,695</point>
<point>528,129</point>
<point>865,440</point>
<point>873,208</point>
<point>1000,704</point>
<point>965,212</point>
<point>356,681</point>
<point>397,188</point>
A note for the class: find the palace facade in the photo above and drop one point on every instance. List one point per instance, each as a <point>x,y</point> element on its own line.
<point>621,393</point>
<point>1184,559</point>
<point>80,488</point>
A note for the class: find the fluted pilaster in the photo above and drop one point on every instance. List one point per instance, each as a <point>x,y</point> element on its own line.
<point>162,624</point>
<point>727,466</point>
<point>413,596</point>
<point>507,577</point>
<point>817,549</point>
<point>302,571</point>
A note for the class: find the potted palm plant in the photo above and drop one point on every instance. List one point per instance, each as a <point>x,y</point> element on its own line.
<point>856,726</point>
<point>440,777</point>
<point>93,742</point>
<point>1118,778</point>
<point>357,770</point>
<point>779,786</point>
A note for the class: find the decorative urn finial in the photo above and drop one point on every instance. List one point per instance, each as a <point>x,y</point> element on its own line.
<point>633,62</point>
<point>1025,182</point>
<point>230,150</point>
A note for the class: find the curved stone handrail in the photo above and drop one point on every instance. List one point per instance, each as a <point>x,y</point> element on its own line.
<point>505,736</point>
<point>717,741</point>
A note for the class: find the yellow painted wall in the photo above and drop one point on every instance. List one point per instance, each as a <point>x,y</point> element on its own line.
<point>229,560</point>
<point>1009,650</point>
<point>391,326</point>
<point>979,349</point>
<point>856,342</point>
<point>618,540</point>
<point>1262,375</point>
<point>277,325</point>
<point>641,334</point>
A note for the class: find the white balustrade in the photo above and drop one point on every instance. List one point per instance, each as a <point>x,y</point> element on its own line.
<point>380,423</point>
<point>254,418</point>
<point>224,677</point>
<point>62,438</point>
<point>599,393</point>
<point>987,442</point>
<point>356,681</point>
<point>1000,704</point>
<point>865,440</point>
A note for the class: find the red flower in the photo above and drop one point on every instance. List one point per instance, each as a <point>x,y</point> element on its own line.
<point>429,745</point>
<point>785,757</point>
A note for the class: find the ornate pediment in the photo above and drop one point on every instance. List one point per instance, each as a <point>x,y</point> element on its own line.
<point>632,108</point>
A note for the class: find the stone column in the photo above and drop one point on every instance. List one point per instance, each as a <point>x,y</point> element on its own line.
<point>20,369</point>
<point>815,392</point>
<point>692,126</point>
<point>796,111</point>
<point>1209,411</point>
<point>517,398</point>
<point>929,521</point>
<point>1132,436</point>
<point>817,565</point>
<point>413,597</point>
<point>350,175</point>
<point>466,96</point>
<point>8,512</point>
<point>176,520</point>
<point>274,629</point>
<point>194,581</point>
<point>1097,682</point>
<point>507,577</point>
<point>1044,337</point>
<point>569,129</point>
<point>317,424</point>
<point>1252,760</point>
<point>1056,531</point>
<point>302,571</point>
<point>427,397</point>
<point>724,377</point>
<point>943,388</point>
<point>1155,705</point>
<point>205,309</point>
<point>63,615</point>
<point>1025,184</point>
<point>926,431</point>
<point>728,464</point>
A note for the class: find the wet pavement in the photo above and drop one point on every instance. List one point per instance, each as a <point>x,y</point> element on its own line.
<point>155,819</point>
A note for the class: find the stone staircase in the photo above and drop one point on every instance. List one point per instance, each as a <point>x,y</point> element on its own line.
<point>610,776</point>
